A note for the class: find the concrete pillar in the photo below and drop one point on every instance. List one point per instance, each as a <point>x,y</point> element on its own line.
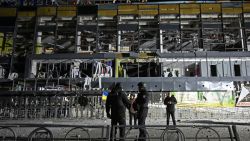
<point>241,36</point>
<point>119,41</point>
<point>78,41</point>
<point>161,41</point>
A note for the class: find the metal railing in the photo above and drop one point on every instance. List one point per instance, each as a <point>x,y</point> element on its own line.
<point>68,106</point>
<point>54,132</point>
<point>52,107</point>
<point>182,133</point>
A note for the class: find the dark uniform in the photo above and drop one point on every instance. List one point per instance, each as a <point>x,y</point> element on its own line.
<point>142,107</point>
<point>170,102</point>
<point>117,101</point>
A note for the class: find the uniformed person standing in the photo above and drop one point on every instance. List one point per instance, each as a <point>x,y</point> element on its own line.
<point>170,102</point>
<point>117,101</point>
<point>141,103</point>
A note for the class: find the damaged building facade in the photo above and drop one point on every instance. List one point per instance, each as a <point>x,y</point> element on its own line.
<point>53,56</point>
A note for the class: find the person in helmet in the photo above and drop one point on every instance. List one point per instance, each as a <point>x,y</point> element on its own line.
<point>142,109</point>
<point>117,101</point>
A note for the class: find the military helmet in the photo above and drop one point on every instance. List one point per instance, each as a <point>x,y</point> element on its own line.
<point>141,84</point>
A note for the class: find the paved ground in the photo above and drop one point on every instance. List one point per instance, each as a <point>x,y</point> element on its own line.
<point>188,127</point>
<point>190,121</point>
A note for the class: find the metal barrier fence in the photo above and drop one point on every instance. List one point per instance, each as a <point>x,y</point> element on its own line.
<point>214,113</point>
<point>58,106</point>
<point>233,113</point>
<point>35,132</point>
<point>54,132</point>
<point>70,106</point>
<point>183,132</point>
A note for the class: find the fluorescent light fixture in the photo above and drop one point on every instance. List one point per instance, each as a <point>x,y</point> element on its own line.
<point>66,18</point>
<point>126,17</point>
<point>105,18</point>
<point>185,22</point>
<point>209,16</point>
<point>230,16</point>
<point>247,15</point>
<point>189,16</point>
<point>167,17</point>
<point>147,17</point>
<point>85,18</point>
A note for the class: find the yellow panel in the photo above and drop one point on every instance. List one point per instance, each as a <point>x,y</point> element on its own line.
<point>144,55</point>
<point>148,6</point>
<point>169,9</point>
<point>1,42</point>
<point>39,50</point>
<point>7,50</point>
<point>1,38</point>
<point>190,6</point>
<point>46,11</point>
<point>190,11</point>
<point>118,55</point>
<point>128,12</point>
<point>7,12</point>
<point>109,13</point>
<point>127,9</point>
<point>210,8</point>
<point>148,9</point>
<point>232,10</point>
<point>148,12</point>
<point>66,13</point>
<point>66,8</point>
<point>26,14</point>
<point>246,7</point>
